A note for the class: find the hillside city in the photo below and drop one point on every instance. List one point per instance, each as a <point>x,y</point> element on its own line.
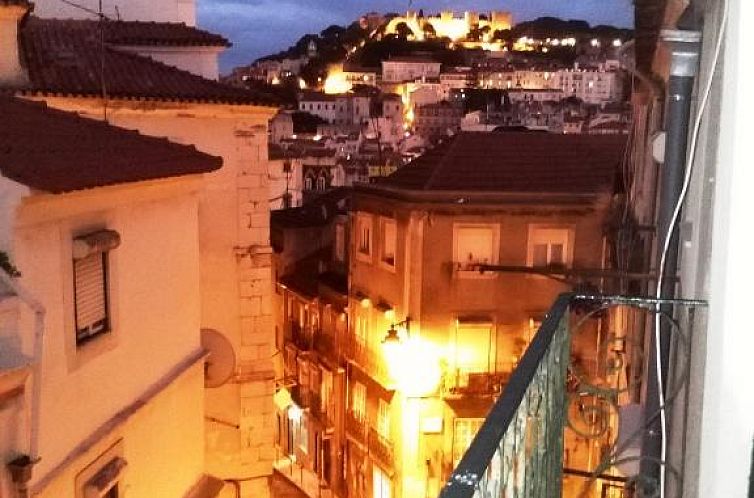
<point>427,254</point>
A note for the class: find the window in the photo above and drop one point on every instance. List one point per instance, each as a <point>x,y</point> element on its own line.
<point>388,236</point>
<point>340,242</point>
<point>321,183</point>
<point>364,236</point>
<point>381,485</point>
<point>90,283</point>
<point>362,327</point>
<point>103,477</point>
<point>464,430</point>
<point>475,244</point>
<point>474,348</point>
<point>383,419</point>
<point>550,247</point>
<point>359,400</point>
<point>308,183</point>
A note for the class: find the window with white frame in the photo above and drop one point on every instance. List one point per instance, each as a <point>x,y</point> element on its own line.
<point>381,485</point>
<point>550,246</point>
<point>359,400</point>
<point>364,236</point>
<point>383,419</point>
<point>475,244</point>
<point>464,430</point>
<point>388,237</point>
<point>90,283</point>
<point>362,328</point>
<point>340,242</point>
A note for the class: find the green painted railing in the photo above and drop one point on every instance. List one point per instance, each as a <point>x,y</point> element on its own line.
<point>518,451</point>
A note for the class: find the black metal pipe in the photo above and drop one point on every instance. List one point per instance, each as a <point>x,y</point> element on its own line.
<point>684,64</point>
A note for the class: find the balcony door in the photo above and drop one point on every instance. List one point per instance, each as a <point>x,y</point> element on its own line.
<point>381,484</point>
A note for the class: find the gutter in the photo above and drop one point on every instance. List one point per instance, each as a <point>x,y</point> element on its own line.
<point>21,467</point>
<point>685,46</point>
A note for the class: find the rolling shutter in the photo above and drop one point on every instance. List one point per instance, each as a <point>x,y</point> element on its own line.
<point>91,295</point>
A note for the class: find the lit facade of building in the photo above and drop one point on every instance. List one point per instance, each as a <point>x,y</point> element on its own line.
<point>447,25</point>
<point>235,259</point>
<point>431,340</point>
<point>101,369</point>
<point>409,69</point>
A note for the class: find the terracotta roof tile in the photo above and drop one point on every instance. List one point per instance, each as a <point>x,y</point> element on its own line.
<point>141,33</point>
<point>513,162</point>
<point>55,151</point>
<point>64,57</point>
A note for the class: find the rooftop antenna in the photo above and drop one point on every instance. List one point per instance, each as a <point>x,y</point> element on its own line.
<point>117,13</point>
<point>103,86</point>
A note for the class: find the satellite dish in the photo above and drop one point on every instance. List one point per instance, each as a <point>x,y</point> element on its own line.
<point>221,360</point>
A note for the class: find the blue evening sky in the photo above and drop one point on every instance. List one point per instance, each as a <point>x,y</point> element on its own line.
<point>261,27</point>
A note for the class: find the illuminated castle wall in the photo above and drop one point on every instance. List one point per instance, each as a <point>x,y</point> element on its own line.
<point>446,24</point>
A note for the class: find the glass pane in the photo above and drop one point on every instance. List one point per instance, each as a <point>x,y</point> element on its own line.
<point>556,254</point>
<point>540,255</point>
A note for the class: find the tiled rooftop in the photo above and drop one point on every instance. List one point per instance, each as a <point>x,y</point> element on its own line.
<point>65,57</point>
<point>55,151</point>
<point>515,162</point>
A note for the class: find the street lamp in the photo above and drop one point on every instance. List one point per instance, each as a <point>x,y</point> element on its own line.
<point>392,336</point>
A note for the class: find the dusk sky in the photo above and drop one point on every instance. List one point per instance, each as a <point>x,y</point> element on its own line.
<point>261,27</point>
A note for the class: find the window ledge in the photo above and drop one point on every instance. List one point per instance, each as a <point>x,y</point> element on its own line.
<point>13,381</point>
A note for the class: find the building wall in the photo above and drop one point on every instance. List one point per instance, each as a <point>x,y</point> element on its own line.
<point>154,283</point>
<point>424,286</point>
<point>235,268</point>
<point>132,10</point>
<point>201,61</point>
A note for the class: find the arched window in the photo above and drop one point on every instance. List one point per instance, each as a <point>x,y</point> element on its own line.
<point>321,183</point>
<point>308,183</point>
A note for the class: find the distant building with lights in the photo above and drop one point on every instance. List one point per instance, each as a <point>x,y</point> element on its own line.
<point>447,25</point>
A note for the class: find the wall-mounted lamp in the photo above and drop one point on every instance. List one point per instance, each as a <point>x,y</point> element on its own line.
<point>392,336</point>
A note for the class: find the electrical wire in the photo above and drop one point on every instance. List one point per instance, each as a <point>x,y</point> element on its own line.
<point>669,235</point>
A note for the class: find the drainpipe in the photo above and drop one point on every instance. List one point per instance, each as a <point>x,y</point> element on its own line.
<point>21,467</point>
<point>684,63</point>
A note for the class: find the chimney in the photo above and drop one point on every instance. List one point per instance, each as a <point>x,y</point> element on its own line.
<point>12,12</point>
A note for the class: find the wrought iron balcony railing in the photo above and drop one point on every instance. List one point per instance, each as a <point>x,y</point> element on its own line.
<point>460,384</point>
<point>302,396</point>
<point>356,426</point>
<point>380,447</point>
<point>566,422</point>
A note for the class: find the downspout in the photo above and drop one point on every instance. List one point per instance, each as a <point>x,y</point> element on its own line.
<point>21,468</point>
<point>684,63</point>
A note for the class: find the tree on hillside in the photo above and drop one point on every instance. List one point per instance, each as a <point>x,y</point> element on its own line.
<point>403,31</point>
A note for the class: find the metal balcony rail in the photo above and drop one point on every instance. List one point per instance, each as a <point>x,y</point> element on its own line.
<point>518,451</point>
<point>380,447</point>
<point>356,426</point>
<point>569,395</point>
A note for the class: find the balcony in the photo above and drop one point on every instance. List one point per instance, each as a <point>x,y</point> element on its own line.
<point>380,447</point>
<point>566,421</point>
<point>300,336</point>
<point>460,384</point>
<point>369,360</point>
<point>302,396</point>
<point>356,427</point>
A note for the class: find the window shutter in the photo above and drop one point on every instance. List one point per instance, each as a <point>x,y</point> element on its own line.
<point>90,295</point>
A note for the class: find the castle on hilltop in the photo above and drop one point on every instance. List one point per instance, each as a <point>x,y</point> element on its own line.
<point>446,24</point>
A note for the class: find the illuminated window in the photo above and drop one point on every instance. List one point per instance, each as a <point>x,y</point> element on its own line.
<point>381,484</point>
<point>474,245</point>
<point>364,236</point>
<point>474,349</point>
<point>550,246</point>
<point>362,327</point>
<point>383,419</point>
<point>359,400</point>
<point>464,430</point>
<point>388,236</point>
